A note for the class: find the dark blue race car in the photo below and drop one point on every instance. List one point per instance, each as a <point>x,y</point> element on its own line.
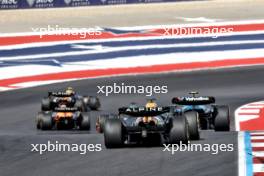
<point>147,124</point>
<point>143,125</point>
<point>211,116</point>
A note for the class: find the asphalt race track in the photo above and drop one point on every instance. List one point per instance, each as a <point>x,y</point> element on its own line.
<point>233,86</point>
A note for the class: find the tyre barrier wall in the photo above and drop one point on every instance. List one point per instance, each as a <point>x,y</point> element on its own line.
<point>31,4</point>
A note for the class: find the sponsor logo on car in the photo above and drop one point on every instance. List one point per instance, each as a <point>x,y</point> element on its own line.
<point>196,98</point>
<point>143,109</point>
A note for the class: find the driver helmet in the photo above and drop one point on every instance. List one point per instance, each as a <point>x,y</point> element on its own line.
<point>151,104</point>
<point>69,90</point>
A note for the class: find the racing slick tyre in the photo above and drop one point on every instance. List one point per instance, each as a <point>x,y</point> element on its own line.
<point>113,133</point>
<point>85,121</point>
<point>92,102</point>
<point>79,104</point>
<point>222,119</point>
<point>45,121</point>
<point>38,117</point>
<point>179,131</point>
<point>45,104</point>
<point>193,123</point>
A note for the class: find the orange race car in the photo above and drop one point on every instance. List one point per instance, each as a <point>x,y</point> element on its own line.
<point>63,118</point>
<point>71,99</point>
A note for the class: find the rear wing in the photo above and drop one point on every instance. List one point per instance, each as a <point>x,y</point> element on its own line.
<point>60,94</point>
<point>143,111</point>
<point>193,100</point>
<point>67,109</point>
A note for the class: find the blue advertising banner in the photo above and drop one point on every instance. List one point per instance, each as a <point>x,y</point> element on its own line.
<point>25,4</point>
<point>9,4</point>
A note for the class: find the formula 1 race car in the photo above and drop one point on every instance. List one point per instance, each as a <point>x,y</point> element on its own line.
<point>70,99</point>
<point>63,118</point>
<point>150,125</point>
<point>211,116</point>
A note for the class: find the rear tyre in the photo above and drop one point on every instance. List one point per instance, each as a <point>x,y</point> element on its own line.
<point>45,104</point>
<point>193,123</point>
<point>179,131</point>
<point>85,121</point>
<point>38,117</point>
<point>45,121</point>
<point>222,119</point>
<point>113,133</point>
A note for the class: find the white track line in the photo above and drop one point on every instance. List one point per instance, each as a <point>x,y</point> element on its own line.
<point>258,154</point>
<point>257,137</point>
<point>258,167</point>
<point>257,133</point>
<point>259,144</point>
<point>253,111</point>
